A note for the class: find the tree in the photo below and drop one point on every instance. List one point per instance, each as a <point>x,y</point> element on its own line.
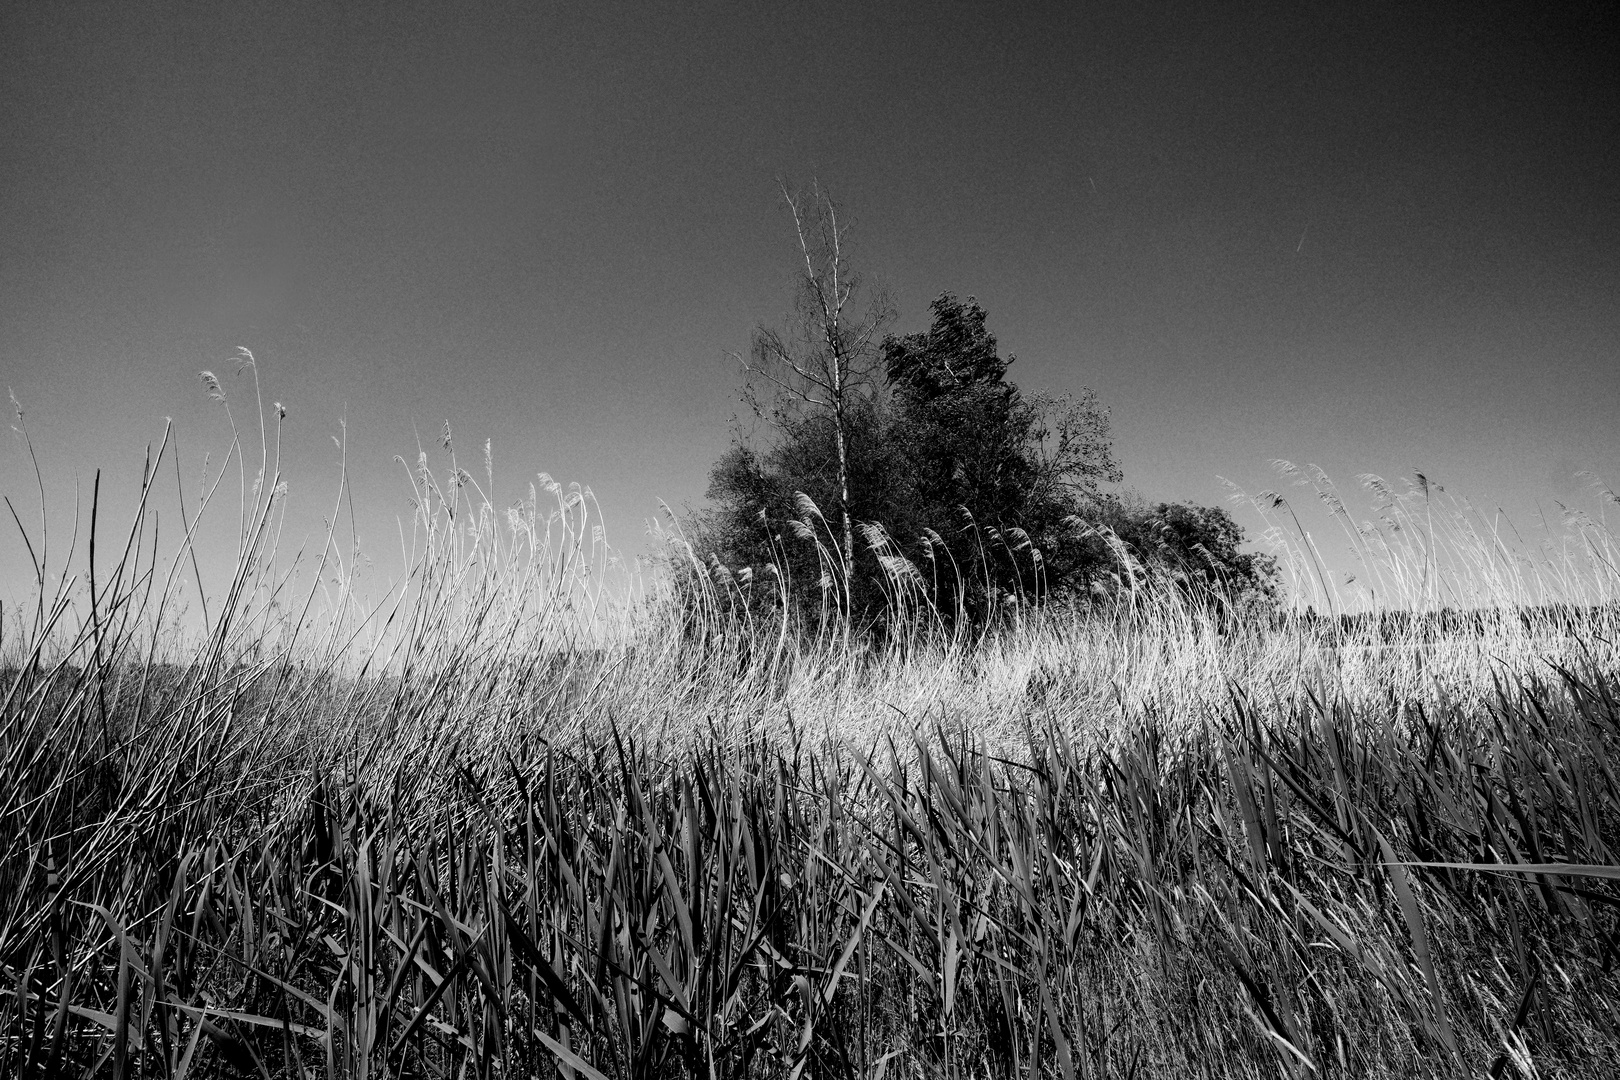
<point>980,443</point>
<point>756,516</point>
<point>983,455</point>
<point>1199,548</point>
<point>971,480</point>
<point>824,363</point>
<point>965,490</point>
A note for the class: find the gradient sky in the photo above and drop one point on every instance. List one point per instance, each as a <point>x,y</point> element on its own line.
<point>1377,237</point>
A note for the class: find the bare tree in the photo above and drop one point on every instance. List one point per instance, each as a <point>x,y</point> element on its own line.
<point>829,353</point>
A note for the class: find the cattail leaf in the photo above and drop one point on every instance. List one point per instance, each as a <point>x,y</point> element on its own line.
<point>831,986</point>
<point>250,1018</point>
<point>536,962</point>
<point>432,999</point>
<point>1420,939</point>
<point>1611,873</point>
<point>1055,1027</point>
<point>568,1057</point>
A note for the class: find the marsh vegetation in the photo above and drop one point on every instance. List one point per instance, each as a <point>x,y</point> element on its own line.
<point>527,813</point>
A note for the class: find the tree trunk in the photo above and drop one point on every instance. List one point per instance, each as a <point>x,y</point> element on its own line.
<point>843,507</point>
<point>840,372</point>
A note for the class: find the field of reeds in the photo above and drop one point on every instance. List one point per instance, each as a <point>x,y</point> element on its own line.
<point>523,814</point>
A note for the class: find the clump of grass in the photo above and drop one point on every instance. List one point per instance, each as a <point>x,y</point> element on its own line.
<point>507,820</point>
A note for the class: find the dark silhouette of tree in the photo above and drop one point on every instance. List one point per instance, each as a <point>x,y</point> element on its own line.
<point>765,501</point>
<point>944,478</point>
<point>987,462</point>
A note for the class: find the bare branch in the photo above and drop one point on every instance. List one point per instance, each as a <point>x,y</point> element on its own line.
<point>826,360</point>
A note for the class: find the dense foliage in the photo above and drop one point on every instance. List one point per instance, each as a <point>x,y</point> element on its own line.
<point>1199,548</point>
<point>976,496</point>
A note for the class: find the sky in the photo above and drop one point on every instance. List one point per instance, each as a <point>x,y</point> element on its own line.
<point>1375,237</point>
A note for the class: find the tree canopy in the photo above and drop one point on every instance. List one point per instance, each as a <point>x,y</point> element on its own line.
<point>972,495</point>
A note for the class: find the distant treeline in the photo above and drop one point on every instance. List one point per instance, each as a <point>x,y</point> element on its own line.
<point>1405,625</point>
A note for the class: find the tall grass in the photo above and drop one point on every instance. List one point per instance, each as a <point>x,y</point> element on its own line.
<point>521,814</point>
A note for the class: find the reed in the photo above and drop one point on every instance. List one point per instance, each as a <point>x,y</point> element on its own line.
<point>524,815</point>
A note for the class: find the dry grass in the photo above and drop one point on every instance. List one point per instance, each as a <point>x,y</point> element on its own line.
<point>523,815</point>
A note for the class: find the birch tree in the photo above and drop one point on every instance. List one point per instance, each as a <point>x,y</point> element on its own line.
<point>828,354</point>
